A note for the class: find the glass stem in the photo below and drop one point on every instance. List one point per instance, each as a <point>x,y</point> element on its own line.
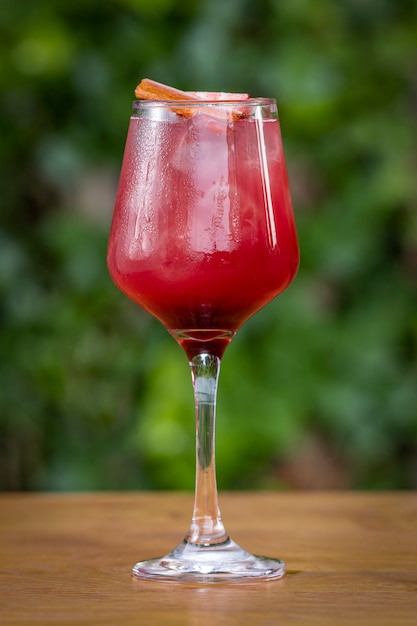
<point>206,527</point>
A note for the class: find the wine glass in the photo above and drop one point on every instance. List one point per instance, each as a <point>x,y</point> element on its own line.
<point>202,237</point>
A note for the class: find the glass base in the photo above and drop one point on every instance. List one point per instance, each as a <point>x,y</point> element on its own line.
<point>221,563</point>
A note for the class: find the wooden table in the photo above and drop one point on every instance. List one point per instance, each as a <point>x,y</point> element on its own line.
<point>351,557</point>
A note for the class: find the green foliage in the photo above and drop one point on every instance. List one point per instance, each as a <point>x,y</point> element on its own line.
<point>94,394</point>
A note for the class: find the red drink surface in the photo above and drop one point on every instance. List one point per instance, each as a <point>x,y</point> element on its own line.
<point>203,232</point>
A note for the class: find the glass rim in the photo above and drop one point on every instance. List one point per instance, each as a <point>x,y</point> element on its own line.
<point>248,102</point>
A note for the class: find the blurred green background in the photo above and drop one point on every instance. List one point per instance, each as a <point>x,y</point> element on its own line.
<point>319,390</point>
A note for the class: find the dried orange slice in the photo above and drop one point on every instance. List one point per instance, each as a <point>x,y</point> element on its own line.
<point>149,89</point>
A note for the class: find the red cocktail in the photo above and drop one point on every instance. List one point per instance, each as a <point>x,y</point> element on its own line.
<point>203,236</point>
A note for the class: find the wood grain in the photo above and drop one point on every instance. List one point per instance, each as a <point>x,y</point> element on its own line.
<point>352,559</point>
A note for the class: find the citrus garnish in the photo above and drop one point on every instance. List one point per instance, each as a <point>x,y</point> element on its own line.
<point>149,89</point>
